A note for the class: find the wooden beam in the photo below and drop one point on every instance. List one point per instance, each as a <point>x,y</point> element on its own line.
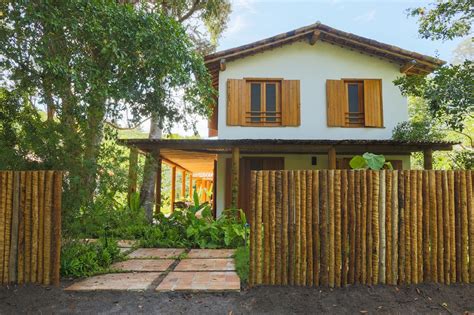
<point>428,159</point>
<point>314,37</point>
<point>235,176</point>
<point>332,158</point>
<point>222,65</point>
<point>173,188</point>
<point>191,186</point>
<point>132,171</point>
<point>183,185</point>
<point>408,66</point>
<point>158,186</point>
<point>173,164</point>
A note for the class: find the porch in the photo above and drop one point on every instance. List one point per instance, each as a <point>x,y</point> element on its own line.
<point>220,165</point>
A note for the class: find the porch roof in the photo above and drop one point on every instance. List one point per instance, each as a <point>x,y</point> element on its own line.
<point>210,147</point>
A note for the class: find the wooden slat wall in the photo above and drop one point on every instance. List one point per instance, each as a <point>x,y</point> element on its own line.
<point>339,227</point>
<point>30,226</point>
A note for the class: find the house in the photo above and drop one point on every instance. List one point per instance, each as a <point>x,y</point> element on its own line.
<point>310,98</point>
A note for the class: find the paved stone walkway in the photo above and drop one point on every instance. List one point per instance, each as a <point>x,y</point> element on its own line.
<point>167,269</point>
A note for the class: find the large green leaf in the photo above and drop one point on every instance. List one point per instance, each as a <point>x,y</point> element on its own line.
<point>358,162</point>
<point>374,161</point>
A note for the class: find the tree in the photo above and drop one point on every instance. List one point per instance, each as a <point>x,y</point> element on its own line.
<point>88,62</point>
<point>192,14</point>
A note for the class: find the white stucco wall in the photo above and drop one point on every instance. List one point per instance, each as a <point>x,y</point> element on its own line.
<point>313,65</point>
<point>292,162</point>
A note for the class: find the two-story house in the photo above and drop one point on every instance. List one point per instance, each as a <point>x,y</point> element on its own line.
<point>310,98</point>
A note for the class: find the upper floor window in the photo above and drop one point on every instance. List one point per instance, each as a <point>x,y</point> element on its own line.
<point>354,103</point>
<point>264,103</point>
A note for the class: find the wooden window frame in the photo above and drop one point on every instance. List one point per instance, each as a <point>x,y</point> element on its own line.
<point>278,113</point>
<point>359,115</point>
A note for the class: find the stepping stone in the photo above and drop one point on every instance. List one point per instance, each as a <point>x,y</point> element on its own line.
<point>116,282</point>
<point>143,265</point>
<point>126,243</point>
<point>214,281</point>
<point>156,253</point>
<point>211,253</point>
<point>219,264</point>
<point>124,250</point>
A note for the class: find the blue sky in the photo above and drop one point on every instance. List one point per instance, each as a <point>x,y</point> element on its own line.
<point>384,20</point>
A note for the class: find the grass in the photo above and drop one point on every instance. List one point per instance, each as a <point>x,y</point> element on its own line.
<point>242,258</point>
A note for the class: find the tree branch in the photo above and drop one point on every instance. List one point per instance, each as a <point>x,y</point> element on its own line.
<point>114,125</point>
<point>190,12</point>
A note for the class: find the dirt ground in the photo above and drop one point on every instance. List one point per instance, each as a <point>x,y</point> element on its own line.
<point>455,299</point>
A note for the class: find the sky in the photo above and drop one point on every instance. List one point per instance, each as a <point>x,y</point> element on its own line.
<point>383,20</point>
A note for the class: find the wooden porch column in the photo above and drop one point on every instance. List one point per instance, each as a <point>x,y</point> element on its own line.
<point>428,159</point>
<point>332,158</point>
<point>235,176</point>
<point>132,171</point>
<point>173,187</point>
<point>183,185</point>
<point>191,186</point>
<point>158,183</point>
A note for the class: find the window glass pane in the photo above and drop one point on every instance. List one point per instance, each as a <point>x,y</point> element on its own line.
<point>255,101</point>
<point>353,90</point>
<point>270,100</point>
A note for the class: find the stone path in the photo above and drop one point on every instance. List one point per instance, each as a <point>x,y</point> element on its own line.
<point>167,269</point>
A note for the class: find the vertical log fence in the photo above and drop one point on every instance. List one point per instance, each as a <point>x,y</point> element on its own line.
<point>30,226</point>
<point>339,227</point>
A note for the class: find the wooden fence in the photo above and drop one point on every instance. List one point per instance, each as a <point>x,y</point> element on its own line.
<point>339,227</point>
<point>30,226</point>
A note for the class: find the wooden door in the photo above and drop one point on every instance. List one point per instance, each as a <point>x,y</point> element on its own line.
<point>248,164</point>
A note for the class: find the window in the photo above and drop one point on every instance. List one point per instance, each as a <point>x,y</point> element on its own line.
<point>354,116</point>
<point>265,103</point>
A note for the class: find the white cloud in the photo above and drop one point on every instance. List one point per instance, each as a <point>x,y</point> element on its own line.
<point>366,17</point>
<point>236,25</point>
<point>247,5</point>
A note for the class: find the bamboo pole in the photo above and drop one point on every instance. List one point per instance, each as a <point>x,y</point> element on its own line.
<point>345,227</point>
<point>56,218</point>
<point>278,227</point>
<point>316,235</point>
<point>47,228</point>
<point>470,213</point>
<point>258,228</point>
<point>408,228</point>
<point>272,210</point>
<point>440,233</point>
<point>253,231</point>
<point>358,228</point>
<point>332,257</point>
<point>291,235</point>
<point>35,227</point>
<point>14,228</point>
<point>401,228</point>
<point>413,226</point>
<point>337,228</point>
<point>352,228</point>
<point>464,228</point>
<point>375,226</point>
<point>323,189</point>
<point>3,199</point>
<point>21,231</point>
<point>452,226</point>
<point>363,224</point>
<point>41,211</point>
<point>285,224</point>
<point>266,229</point>
<point>447,234</point>
<point>309,228</point>
<point>28,227</point>
<point>297,228</point>
<point>388,227</point>
<point>395,221</point>
<point>8,218</point>
<point>419,228</point>
<point>382,232</point>
<point>303,260</point>
<point>370,236</point>
<point>433,227</point>
<point>458,231</point>
<point>426,228</point>
<point>235,177</point>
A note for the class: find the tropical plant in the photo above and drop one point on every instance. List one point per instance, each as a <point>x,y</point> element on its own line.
<point>369,161</point>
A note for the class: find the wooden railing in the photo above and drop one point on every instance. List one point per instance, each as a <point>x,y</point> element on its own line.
<point>354,118</point>
<point>30,226</point>
<point>268,117</point>
<point>339,227</point>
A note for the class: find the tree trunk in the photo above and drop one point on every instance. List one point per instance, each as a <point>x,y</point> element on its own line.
<point>147,190</point>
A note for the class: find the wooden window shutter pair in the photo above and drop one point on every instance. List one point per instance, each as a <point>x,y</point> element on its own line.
<point>238,102</point>
<point>337,103</point>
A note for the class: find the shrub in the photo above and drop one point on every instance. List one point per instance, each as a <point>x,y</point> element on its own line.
<point>242,261</point>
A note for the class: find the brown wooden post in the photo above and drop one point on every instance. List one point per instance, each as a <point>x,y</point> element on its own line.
<point>173,187</point>
<point>158,183</point>
<point>235,176</point>
<point>428,159</point>
<point>132,171</point>
<point>332,158</point>
<point>191,186</point>
<point>183,185</point>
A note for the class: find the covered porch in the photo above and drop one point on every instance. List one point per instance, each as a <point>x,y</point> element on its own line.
<point>221,166</point>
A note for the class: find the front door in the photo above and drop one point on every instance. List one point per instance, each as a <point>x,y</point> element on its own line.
<point>248,164</point>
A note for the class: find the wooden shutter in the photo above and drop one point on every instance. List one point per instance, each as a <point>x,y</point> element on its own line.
<point>236,102</point>
<point>373,109</point>
<point>212,122</point>
<point>290,103</point>
<point>336,97</point>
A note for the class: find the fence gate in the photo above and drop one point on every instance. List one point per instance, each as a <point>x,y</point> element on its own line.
<point>30,226</point>
<point>339,227</point>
